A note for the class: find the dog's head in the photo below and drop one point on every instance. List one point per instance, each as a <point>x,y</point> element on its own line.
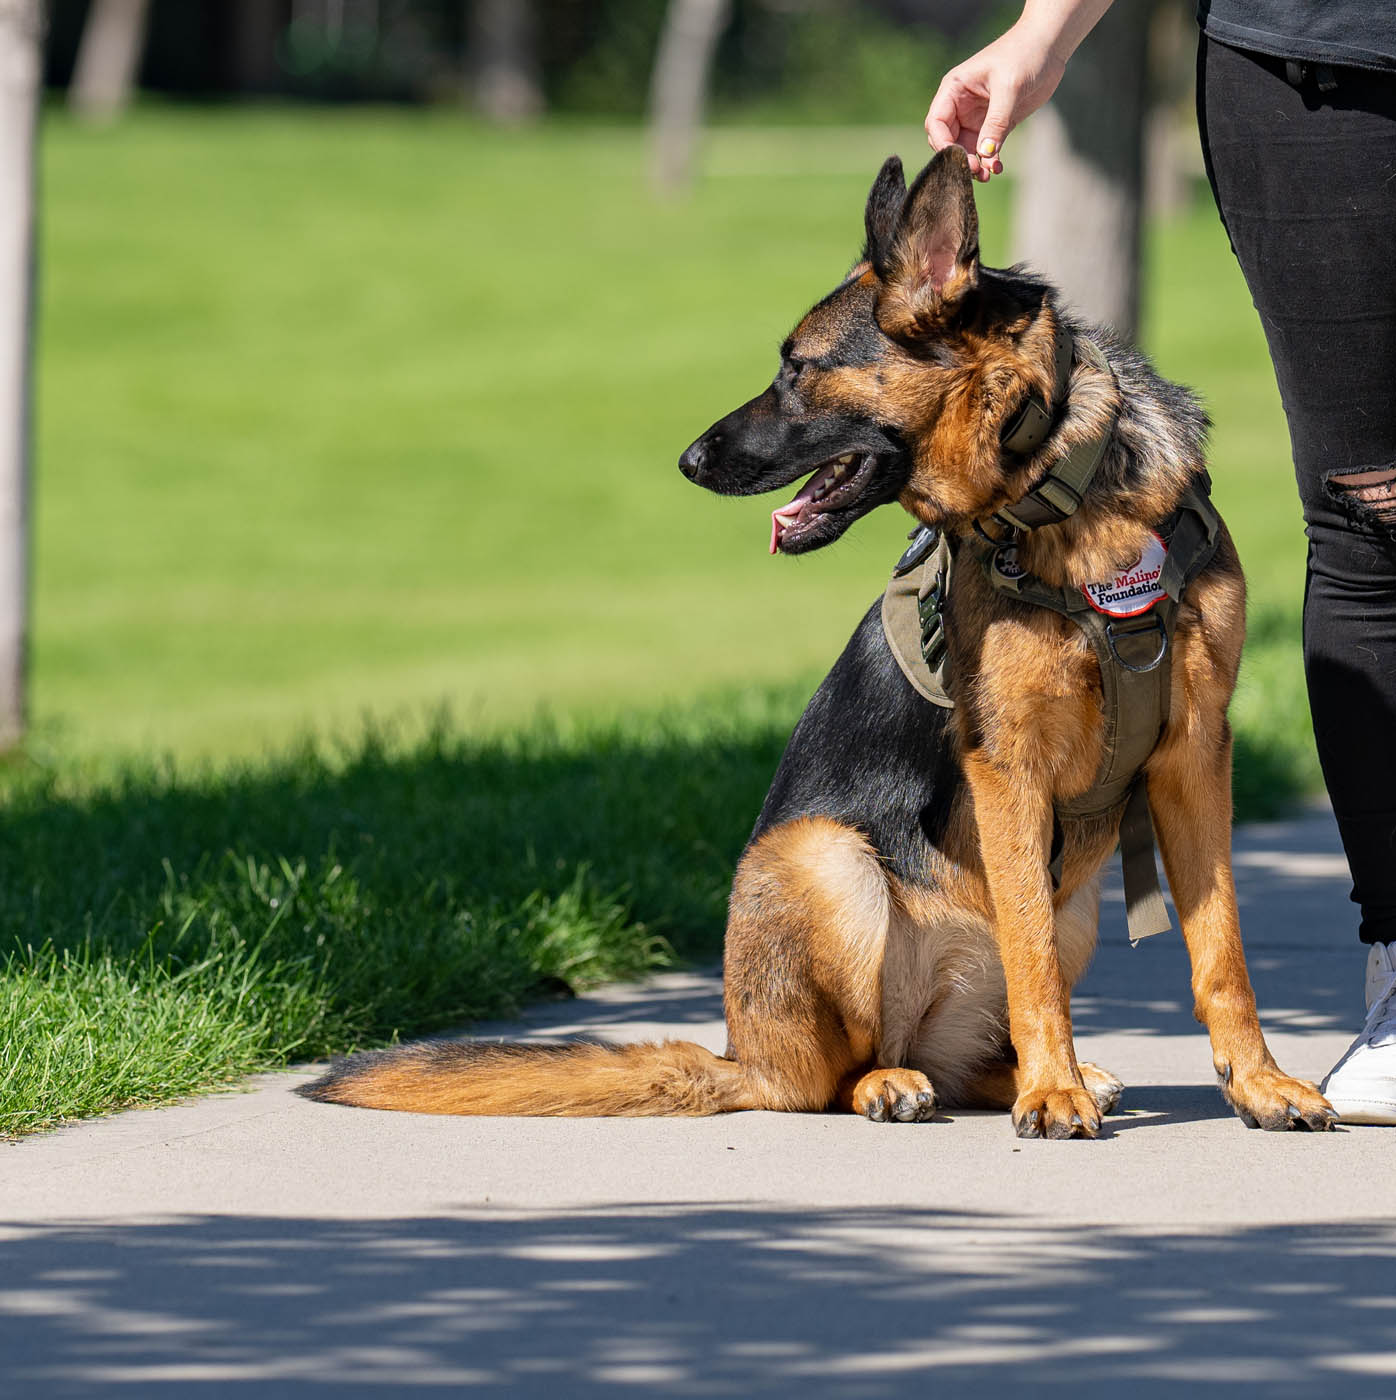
<point>896,385</point>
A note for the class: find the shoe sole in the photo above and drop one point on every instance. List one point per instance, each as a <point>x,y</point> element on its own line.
<point>1379,1114</point>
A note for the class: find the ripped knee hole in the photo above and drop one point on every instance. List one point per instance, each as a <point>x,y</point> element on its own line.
<point>1368,495</point>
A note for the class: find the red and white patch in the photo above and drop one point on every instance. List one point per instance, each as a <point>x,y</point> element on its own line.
<point>1133,590</point>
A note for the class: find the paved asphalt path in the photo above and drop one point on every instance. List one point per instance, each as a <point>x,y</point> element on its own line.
<point>256,1244</point>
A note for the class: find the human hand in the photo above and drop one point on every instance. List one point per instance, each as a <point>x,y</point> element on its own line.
<point>981,101</point>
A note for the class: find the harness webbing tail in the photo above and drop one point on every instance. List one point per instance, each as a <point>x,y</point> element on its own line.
<point>1145,912</point>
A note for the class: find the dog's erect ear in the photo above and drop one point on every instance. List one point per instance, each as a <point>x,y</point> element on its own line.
<point>885,201</point>
<point>933,259</point>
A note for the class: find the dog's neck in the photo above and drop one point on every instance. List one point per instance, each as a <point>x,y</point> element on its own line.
<point>1134,487</point>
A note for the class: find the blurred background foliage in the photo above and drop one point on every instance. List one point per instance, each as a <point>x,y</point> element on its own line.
<point>824,63</point>
<point>820,60</point>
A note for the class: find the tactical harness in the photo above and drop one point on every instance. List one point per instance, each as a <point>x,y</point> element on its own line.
<point>1134,652</point>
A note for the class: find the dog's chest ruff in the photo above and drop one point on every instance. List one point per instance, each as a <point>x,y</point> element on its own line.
<point>1127,620</point>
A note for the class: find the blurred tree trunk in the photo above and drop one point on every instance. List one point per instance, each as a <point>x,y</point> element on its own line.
<point>108,59</point>
<point>251,58</point>
<point>504,39</point>
<point>1080,176</point>
<point>1170,135</point>
<point>21,35</point>
<point>679,87</point>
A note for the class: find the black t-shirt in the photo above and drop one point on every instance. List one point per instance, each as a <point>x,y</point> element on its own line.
<point>1345,33</point>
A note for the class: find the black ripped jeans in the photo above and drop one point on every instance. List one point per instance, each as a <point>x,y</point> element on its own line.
<point>1303,166</point>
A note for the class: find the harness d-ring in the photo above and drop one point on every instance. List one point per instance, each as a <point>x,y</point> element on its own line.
<point>1157,626</point>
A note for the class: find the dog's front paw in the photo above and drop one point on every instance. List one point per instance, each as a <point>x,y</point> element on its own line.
<point>1102,1086</point>
<point>1056,1113</point>
<point>1270,1099</point>
<point>895,1096</point>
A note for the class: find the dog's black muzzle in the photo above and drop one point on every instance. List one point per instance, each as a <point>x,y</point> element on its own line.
<point>756,448</point>
<point>853,465</point>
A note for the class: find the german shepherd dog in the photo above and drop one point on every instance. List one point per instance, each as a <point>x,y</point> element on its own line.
<point>895,940</point>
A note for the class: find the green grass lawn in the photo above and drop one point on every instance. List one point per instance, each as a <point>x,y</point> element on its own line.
<point>358,412</point>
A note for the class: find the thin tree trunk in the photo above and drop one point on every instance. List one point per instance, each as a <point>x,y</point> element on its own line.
<point>109,56</point>
<point>21,25</point>
<point>1170,136</point>
<point>252,66</point>
<point>679,88</point>
<point>508,91</point>
<point>1080,175</point>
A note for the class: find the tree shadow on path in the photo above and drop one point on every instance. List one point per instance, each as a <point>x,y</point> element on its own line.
<point>694,1301</point>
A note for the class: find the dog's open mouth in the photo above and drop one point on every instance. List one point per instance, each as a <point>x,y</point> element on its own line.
<point>835,486</point>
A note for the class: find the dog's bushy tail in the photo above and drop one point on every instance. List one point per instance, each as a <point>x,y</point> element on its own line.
<point>581,1079</point>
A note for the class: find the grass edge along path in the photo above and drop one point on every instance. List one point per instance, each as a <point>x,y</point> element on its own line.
<point>167,929</point>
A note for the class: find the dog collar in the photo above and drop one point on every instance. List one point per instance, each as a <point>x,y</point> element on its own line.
<point>1027,430</point>
<point>1059,494</point>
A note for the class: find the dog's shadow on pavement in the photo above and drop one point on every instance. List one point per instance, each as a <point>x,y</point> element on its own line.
<point>1147,1106</point>
<point>694,1301</point>
<point>1160,1105</point>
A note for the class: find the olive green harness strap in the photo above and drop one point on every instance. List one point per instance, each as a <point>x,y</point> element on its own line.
<point>1134,654</point>
<point>1060,493</point>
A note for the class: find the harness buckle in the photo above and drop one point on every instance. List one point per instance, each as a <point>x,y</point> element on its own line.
<point>1055,493</point>
<point>928,608</point>
<point>1155,625</point>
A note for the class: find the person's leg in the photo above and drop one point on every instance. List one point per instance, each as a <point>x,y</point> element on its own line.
<point>1305,179</point>
<point>1303,166</point>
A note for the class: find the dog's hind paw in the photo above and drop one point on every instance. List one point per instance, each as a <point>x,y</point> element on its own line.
<point>1102,1086</point>
<point>895,1096</point>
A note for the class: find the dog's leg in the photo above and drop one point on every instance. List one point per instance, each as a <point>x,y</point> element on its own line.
<point>806,936</point>
<point>1190,799</point>
<point>1015,829</point>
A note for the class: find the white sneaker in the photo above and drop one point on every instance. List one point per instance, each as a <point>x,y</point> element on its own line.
<point>1362,1085</point>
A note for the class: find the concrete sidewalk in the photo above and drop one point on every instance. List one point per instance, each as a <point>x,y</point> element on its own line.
<point>254,1243</point>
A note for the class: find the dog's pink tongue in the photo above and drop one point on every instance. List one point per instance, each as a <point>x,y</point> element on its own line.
<point>785,516</point>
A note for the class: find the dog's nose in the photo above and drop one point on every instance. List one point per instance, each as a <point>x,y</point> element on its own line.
<point>694,455</point>
<point>698,457</point>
